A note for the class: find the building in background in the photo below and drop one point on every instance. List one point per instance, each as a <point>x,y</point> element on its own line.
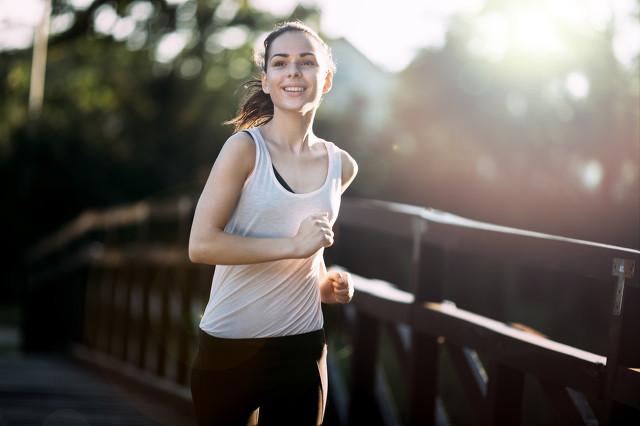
<point>360,88</point>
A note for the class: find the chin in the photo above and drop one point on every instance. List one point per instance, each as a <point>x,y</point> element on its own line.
<point>299,108</point>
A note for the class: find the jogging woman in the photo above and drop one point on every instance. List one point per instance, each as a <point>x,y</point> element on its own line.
<point>264,218</point>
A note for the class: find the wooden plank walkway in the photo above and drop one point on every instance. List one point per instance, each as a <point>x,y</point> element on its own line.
<point>52,390</point>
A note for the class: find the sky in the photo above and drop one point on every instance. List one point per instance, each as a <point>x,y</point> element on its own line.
<point>391,36</point>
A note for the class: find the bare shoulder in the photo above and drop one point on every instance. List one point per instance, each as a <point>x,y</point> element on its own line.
<point>349,164</point>
<point>240,143</point>
<point>349,167</point>
<point>239,150</point>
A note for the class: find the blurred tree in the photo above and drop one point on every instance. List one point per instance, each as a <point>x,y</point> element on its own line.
<point>550,144</point>
<point>135,95</point>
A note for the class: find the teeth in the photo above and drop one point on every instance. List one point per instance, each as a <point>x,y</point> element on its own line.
<point>294,89</point>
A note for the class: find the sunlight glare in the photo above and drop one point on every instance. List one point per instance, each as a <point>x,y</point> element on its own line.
<point>123,28</point>
<point>80,4</point>
<point>105,18</point>
<point>226,11</point>
<point>391,36</point>
<point>491,37</point>
<point>62,22</point>
<point>17,23</point>
<point>577,84</point>
<point>581,15</point>
<point>141,10</point>
<point>534,34</point>
<point>232,37</point>
<point>592,174</point>
<point>171,45</point>
<point>278,8</point>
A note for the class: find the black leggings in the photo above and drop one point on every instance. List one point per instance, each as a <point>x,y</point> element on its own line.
<point>284,377</point>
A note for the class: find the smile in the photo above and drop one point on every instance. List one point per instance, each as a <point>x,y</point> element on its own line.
<point>294,89</point>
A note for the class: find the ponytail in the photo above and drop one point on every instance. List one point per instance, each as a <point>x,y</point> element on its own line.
<point>255,109</point>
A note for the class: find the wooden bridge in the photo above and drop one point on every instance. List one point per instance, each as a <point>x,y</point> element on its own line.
<point>429,338</point>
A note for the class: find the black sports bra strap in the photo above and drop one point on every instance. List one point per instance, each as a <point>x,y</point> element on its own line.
<point>281,180</point>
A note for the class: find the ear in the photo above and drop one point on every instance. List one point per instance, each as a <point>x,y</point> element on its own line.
<point>263,79</point>
<point>328,82</point>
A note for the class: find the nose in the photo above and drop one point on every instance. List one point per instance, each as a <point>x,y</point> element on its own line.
<point>293,69</point>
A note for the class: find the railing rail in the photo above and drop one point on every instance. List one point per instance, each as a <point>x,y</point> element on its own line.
<point>137,301</point>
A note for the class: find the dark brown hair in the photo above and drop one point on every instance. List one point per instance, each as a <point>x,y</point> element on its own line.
<point>256,107</point>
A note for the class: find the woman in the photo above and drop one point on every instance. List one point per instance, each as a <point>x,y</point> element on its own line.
<point>264,217</point>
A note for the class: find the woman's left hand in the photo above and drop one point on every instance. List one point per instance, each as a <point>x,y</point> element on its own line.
<point>339,284</point>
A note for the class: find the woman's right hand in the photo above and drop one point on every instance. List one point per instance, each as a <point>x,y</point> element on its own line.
<point>314,233</point>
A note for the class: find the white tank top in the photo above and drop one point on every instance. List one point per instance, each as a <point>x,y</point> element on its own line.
<point>281,297</point>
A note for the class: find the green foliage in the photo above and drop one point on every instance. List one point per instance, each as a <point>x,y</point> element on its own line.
<point>118,124</point>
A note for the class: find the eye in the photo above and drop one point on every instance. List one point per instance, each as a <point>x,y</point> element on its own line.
<point>277,63</point>
<point>309,63</point>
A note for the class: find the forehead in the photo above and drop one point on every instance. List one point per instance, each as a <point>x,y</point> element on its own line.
<point>294,43</point>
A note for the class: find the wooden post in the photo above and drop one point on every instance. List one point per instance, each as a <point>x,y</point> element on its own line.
<point>624,340</point>
<point>112,310</point>
<point>163,332</point>
<point>504,395</point>
<point>145,282</point>
<point>126,311</point>
<point>104,308</point>
<point>184,324</point>
<point>427,278</point>
<point>92,306</point>
<point>363,408</point>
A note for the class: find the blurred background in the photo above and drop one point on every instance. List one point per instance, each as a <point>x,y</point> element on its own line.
<point>521,113</point>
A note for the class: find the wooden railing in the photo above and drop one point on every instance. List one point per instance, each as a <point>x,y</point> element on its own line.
<point>130,298</point>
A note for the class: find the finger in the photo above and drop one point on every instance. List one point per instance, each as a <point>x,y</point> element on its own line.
<point>333,275</point>
<point>326,233</point>
<point>341,299</point>
<point>340,287</point>
<point>339,278</point>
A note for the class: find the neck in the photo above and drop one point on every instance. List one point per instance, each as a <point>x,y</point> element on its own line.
<point>290,130</point>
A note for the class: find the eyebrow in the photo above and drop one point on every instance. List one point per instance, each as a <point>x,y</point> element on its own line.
<point>286,55</point>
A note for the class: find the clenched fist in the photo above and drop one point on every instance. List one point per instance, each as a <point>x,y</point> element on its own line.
<point>314,233</point>
<point>337,287</point>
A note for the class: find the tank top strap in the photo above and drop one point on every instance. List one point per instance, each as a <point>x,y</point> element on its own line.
<point>336,157</point>
<point>261,155</point>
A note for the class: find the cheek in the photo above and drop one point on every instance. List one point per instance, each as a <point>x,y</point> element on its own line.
<point>270,84</point>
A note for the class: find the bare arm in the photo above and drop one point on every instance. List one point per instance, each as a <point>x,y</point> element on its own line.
<point>335,286</point>
<point>209,244</point>
<point>349,169</point>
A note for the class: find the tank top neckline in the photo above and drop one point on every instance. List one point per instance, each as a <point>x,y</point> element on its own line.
<point>274,180</point>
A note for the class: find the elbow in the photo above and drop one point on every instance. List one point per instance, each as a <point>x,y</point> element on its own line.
<point>194,254</point>
<point>204,251</point>
<point>197,254</point>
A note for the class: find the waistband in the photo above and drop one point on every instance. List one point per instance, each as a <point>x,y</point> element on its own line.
<point>215,353</point>
<point>290,339</point>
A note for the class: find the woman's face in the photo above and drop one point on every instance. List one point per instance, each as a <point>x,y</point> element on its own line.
<point>297,72</point>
